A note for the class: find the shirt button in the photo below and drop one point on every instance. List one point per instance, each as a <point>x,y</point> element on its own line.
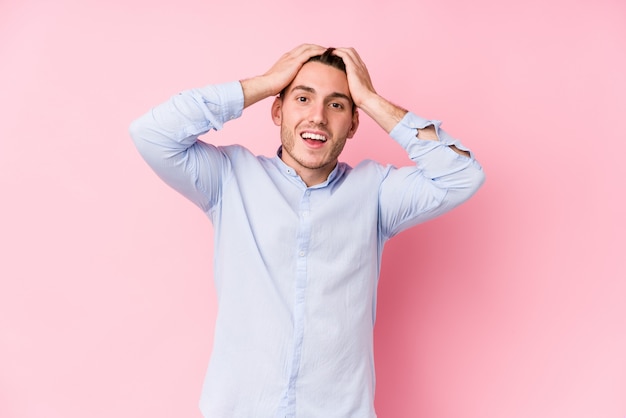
<point>301,253</point>
<point>305,213</point>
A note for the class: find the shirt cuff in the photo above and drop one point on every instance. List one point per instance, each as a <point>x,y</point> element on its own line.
<point>230,100</point>
<point>405,132</point>
<point>219,103</point>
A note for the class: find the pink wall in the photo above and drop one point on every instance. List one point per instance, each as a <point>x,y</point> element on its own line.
<point>512,306</point>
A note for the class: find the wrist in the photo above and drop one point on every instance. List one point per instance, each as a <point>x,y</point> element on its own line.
<point>385,113</point>
<point>370,100</point>
<point>255,89</point>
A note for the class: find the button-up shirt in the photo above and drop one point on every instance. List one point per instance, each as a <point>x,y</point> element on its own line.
<point>296,267</point>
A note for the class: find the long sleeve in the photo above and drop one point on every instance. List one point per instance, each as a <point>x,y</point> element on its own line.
<point>440,180</point>
<point>167,138</point>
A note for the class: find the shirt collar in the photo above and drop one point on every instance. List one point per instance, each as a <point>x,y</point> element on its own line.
<point>288,171</point>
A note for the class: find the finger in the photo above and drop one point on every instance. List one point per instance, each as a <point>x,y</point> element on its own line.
<point>349,53</point>
<point>286,68</point>
<point>353,62</point>
<point>308,46</point>
<point>359,79</point>
<point>306,51</point>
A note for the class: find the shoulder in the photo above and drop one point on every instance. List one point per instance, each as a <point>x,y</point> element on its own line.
<point>371,168</point>
<point>367,174</point>
<point>236,151</point>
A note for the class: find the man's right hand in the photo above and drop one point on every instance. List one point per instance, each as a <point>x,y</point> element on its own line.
<point>280,75</point>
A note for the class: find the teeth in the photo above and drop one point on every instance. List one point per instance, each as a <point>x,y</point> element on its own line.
<point>308,135</point>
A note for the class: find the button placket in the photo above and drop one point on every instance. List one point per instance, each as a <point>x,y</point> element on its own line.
<point>301,281</point>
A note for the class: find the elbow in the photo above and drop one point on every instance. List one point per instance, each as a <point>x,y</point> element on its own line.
<point>139,133</point>
<point>142,136</point>
<point>136,130</point>
<point>476,180</point>
<point>471,181</point>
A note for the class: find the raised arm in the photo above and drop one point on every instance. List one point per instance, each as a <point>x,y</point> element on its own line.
<point>445,173</point>
<point>382,111</point>
<point>280,75</point>
<point>167,135</point>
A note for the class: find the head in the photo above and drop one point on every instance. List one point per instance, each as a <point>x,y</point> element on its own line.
<point>316,116</point>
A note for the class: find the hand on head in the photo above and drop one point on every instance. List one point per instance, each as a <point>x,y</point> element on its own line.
<point>359,81</point>
<point>282,73</point>
<point>287,67</point>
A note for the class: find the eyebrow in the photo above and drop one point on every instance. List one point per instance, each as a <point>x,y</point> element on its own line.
<point>312,90</point>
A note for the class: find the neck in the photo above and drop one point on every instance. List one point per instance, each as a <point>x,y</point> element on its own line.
<point>310,176</point>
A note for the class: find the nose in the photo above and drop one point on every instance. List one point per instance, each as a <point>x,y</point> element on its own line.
<point>317,114</point>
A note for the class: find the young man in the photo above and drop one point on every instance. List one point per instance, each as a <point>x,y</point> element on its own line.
<point>299,237</point>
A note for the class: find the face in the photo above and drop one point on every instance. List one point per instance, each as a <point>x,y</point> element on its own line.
<point>315,118</point>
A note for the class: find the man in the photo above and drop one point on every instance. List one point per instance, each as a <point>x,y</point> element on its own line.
<point>299,237</point>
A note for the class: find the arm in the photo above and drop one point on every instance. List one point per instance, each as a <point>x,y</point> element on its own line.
<point>383,112</point>
<point>167,135</point>
<point>167,139</point>
<point>440,180</point>
<point>445,172</point>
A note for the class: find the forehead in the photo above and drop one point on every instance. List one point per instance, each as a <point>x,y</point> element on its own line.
<point>322,78</point>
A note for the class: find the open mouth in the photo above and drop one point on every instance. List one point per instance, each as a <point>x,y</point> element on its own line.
<point>313,138</point>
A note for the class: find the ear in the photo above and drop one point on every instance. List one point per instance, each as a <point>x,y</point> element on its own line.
<point>355,123</point>
<point>277,114</point>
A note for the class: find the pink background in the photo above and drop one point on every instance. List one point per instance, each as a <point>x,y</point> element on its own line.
<point>512,306</point>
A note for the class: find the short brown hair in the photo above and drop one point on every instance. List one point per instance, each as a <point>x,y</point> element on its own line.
<point>327,58</point>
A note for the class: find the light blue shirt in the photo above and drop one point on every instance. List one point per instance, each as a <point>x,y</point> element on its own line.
<point>296,267</point>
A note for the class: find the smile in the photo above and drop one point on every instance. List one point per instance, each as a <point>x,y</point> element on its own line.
<point>315,137</point>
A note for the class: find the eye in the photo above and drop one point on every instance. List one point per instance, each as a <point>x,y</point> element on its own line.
<point>301,99</point>
<point>337,106</point>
